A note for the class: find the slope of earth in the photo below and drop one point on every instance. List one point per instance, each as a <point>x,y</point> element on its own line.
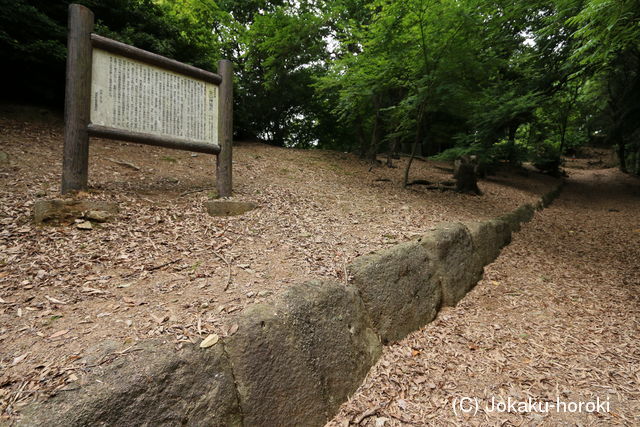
<point>556,319</point>
<point>163,266</point>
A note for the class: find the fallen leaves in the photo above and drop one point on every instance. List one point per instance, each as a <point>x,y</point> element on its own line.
<point>59,334</point>
<point>572,335</point>
<point>132,301</point>
<point>55,300</point>
<point>159,319</point>
<point>210,341</point>
<point>164,254</point>
<point>233,329</point>
<point>93,291</point>
<point>125,164</point>
<point>19,359</point>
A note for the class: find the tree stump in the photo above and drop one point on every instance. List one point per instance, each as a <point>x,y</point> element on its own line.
<point>465,172</point>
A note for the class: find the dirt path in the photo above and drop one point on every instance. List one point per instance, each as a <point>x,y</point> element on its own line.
<point>557,316</point>
<point>159,269</point>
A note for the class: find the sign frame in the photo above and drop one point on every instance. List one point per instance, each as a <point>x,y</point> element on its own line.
<point>77,112</point>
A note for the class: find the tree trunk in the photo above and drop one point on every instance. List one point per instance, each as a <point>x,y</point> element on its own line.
<point>414,148</point>
<point>362,142</point>
<point>622,155</point>
<point>512,143</point>
<point>393,147</point>
<point>375,138</point>
<point>563,132</point>
<point>465,173</point>
<point>405,180</point>
<point>618,138</point>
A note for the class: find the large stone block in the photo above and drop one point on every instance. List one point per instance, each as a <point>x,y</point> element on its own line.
<point>550,196</point>
<point>517,217</point>
<point>525,212</point>
<point>503,233</point>
<point>296,360</point>
<point>457,269</point>
<point>488,238</point>
<point>160,386</point>
<point>66,210</point>
<point>398,288</point>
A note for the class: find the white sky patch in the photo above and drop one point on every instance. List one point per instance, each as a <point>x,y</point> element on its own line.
<point>332,43</point>
<point>529,38</point>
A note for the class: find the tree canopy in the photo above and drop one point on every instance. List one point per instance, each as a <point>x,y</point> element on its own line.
<point>505,81</point>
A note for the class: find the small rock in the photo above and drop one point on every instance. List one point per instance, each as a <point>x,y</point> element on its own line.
<point>84,225</point>
<point>67,210</point>
<point>228,208</point>
<point>98,216</point>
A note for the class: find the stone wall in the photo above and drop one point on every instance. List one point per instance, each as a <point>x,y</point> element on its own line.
<point>295,360</point>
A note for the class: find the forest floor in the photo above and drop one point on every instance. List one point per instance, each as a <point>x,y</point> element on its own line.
<point>556,319</point>
<point>160,269</point>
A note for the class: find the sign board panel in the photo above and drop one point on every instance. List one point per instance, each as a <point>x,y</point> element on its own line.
<point>117,91</point>
<point>130,95</point>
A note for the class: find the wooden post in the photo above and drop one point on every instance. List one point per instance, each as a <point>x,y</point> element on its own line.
<point>77,103</point>
<point>225,129</point>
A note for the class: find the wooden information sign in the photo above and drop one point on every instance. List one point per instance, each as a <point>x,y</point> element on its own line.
<point>117,91</point>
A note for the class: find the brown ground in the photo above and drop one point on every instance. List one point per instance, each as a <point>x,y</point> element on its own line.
<point>161,268</point>
<point>557,315</point>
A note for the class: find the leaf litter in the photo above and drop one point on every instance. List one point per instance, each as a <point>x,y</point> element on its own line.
<point>556,316</point>
<point>164,268</point>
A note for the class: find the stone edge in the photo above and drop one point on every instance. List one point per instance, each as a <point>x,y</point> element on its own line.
<point>70,408</point>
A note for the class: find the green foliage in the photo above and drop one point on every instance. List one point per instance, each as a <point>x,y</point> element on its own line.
<point>284,50</point>
<point>606,28</point>
<point>547,159</point>
<point>488,160</point>
<point>32,41</point>
<point>609,49</point>
<point>505,81</point>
